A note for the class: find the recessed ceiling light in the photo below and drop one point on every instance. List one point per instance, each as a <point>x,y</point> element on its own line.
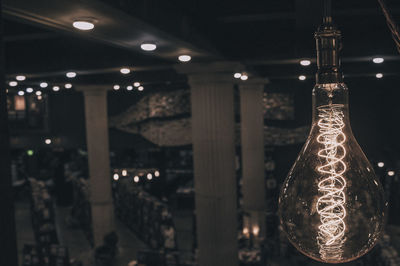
<point>305,62</point>
<point>56,88</point>
<point>381,164</point>
<point>116,87</point>
<point>156,173</point>
<point>47,141</point>
<point>71,75</point>
<point>129,88</point>
<point>302,77</point>
<point>13,83</point>
<point>116,177</point>
<point>43,85</point>
<point>379,75</point>
<point>378,60</point>
<point>83,25</point>
<point>184,58</point>
<point>391,173</point>
<point>21,93</point>
<point>29,90</point>
<point>237,75</point>
<point>148,46</point>
<point>20,78</point>
<point>124,172</point>
<point>136,84</point>
<point>136,179</point>
<point>38,93</point>
<point>125,70</point>
<point>140,88</point>
<point>149,176</point>
<point>68,85</point>
<point>244,77</point>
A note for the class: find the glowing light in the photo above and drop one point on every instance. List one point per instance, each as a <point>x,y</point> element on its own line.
<point>125,70</point>
<point>13,83</point>
<point>124,172</point>
<point>38,93</point>
<point>115,177</point>
<point>56,88</point>
<point>156,173</point>
<point>148,46</point>
<point>129,88</point>
<point>43,85</point>
<point>378,60</point>
<point>246,231</point>
<point>68,86</point>
<point>184,58</point>
<point>140,88</point>
<point>116,87</point>
<point>39,97</point>
<point>71,75</point>
<point>305,62</point>
<point>47,141</point>
<point>331,203</point>
<point>29,90</point>
<point>379,75</point>
<point>237,75</point>
<point>381,164</point>
<point>256,230</point>
<point>29,152</point>
<point>149,176</point>
<point>244,77</point>
<point>391,173</point>
<point>21,93</point>
<point>136,179</point>
<point>302,77</point>
<point>136,84</point>
<point>83,25</point>
<point>20,77</point>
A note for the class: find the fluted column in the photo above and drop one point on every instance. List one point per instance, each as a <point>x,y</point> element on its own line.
<point>252,143</point>
<point>99,161</point>
<point>214,169</point>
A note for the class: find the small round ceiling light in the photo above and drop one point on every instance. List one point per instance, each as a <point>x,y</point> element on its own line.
<point>116,87</point>
<point>156,173</point>
<point>305,62</point>
<point>148,46</point>
<point>149,176</point>
<point>136,179</point>
<point>47,141</point>
<point>13,83</point>
<point>20,77</point>
<point>379,75</point>
<point>302,77</point>
<point>378,60</point>
<point>38,93</point>
<point>116,177</point>
<point>381,164</point>
<point>136,84</point>
<point>244,77</point>
<point>68,86</point>
<point>391,173</point>
<point>56,88</point>
<point>83,25</point>
<point>29,90</point>
<point>237,75</point>
<point>184,58</point>
<point>71,75</point>
<point>125,70</point>
<point>43,85</point>
<point>140,88</point>
<point>21,93</point>
<point>129,88</point>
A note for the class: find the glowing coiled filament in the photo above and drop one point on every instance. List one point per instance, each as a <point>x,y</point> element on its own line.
<point>331,199</point>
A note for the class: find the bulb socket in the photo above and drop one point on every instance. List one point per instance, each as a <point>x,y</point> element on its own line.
<point>329,44</point>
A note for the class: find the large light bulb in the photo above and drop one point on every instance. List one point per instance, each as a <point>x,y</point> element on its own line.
<point>331,204</point>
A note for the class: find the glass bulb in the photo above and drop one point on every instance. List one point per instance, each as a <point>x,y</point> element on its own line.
<point>332,206</point>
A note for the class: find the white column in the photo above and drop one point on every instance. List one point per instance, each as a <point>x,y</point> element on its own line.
<point>99,162</point>
<point>252,143</point>
<point>214,168</point>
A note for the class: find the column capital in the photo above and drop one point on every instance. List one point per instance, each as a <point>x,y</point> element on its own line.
<point>93,89</point>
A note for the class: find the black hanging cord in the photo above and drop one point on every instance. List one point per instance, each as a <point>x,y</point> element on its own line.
<point>327,10</point>
<point>394,29</point>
